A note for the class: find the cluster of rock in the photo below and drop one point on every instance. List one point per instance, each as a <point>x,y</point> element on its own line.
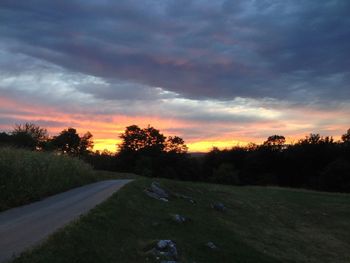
<point>155,191</point>
<point>219,207</point>
<point>166,250</point>
<point>179,218</point>
<point>211,245</point>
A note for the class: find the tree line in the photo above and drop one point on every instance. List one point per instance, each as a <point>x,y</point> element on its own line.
<point>34,137</point>
<point>313,162</point>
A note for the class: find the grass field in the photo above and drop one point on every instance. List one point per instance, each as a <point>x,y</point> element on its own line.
<point>27,176</point>
<point>260,225</point>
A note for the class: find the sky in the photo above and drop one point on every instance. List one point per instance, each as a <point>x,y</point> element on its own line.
<point>216,73</point>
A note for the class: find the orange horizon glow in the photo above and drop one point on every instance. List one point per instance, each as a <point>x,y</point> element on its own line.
<point>107,129</point>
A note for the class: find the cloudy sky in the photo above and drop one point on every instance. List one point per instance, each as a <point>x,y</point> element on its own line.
<point>213,72</point>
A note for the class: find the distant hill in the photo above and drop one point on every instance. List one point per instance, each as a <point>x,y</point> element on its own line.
<point>197,154</point>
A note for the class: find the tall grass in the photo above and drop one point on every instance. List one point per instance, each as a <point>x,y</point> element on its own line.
<point>26,176</point>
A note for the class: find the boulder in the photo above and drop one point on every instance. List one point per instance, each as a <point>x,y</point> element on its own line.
<point>211,245</point>
<point>155,191</point>
<point>155,188</point>
<point>219,207</point>
<point>179,218</point>
<point>165,249</point>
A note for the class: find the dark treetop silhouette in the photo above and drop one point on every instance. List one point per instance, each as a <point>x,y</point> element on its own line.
<point>315,161</point>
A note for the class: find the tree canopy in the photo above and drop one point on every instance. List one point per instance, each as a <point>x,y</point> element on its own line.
<point>346,137</point>
<point>149,139</point>
<point>29,135</point>
<point>175,144</point>
<point>69,142</point>
<point>135,139</point>
<point>275,142</point>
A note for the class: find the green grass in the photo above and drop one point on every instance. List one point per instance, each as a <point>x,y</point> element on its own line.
<point>106,175</point>
<point>27,176</point>
<point>260,225</point>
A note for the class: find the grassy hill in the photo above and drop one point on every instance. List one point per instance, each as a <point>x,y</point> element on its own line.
<point>260,224</point>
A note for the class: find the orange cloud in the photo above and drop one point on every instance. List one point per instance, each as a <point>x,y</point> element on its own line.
<point>200,136</point>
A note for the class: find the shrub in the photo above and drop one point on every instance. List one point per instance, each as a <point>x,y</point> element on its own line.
<point>336,176</point>
<point>227,174</point>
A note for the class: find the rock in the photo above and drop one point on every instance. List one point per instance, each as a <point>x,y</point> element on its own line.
<point>211,245</point>
<point>162,244</point>
<point>188,198</point>
<point>219,207</point>
<point>179,218</point>
<point>155,188</point>
<point>155,191</point>
<point>165,249</point>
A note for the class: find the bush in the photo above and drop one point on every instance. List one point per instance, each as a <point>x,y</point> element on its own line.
<point>336,176</point>
<point>26,176</point>
<point>226,174</point>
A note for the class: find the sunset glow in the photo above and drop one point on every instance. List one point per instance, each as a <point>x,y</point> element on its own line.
<point>224,77</point>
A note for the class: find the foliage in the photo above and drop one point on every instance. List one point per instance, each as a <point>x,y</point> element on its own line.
<point>346,137</point>
<point>33,137</point>
<point>26,176</point>
<point>226,173</point>
<point>136,139</point>
<point>175,144</point>
<point>69,142</point>
<point>29,135</point>
<point>314,162</point>
<point>103,160</point>
<point>275,142</point>
<point>148,152</point>
<point>314,139</point>
<point>336,176</point>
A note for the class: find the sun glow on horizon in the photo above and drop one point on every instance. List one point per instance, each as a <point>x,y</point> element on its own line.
<point>111,145</point>
<point>223,133</point>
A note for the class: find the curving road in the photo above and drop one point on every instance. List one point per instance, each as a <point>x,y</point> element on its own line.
<point>25,226</point>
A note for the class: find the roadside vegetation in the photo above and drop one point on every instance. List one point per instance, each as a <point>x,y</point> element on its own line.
<point>260,224</point>
<point>313,162</point>
<point>27,176</point>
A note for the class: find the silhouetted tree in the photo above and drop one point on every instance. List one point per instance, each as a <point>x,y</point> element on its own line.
<point>148,152</point>
<point>275,142</point>
<point>346,137</point>
<point>135,139</point>
<point>69,142</point>
<point>155,141</point>
<point>86,143</point>
<point>29,135</point>
<point>314,139</point>
<point>175,144</point>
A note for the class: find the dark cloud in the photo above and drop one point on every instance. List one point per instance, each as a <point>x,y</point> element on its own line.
<point>15,120</point>
<point>293,50</point>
